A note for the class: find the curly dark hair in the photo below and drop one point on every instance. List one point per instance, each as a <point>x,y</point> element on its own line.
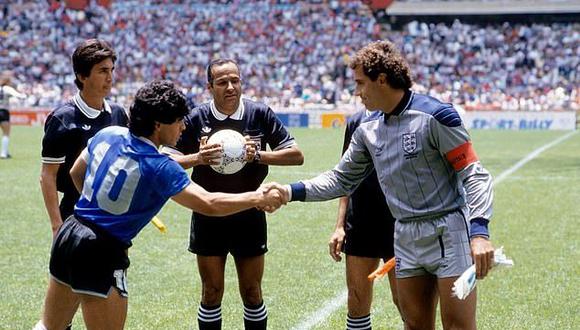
<point>87,54</point>
<point>157,101</point>
<point>383,57</point>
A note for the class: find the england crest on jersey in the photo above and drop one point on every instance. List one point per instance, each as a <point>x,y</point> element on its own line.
<point>410,145</point>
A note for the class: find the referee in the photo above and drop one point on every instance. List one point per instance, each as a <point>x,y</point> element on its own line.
<point>244,234</point>
<point>69,127</point>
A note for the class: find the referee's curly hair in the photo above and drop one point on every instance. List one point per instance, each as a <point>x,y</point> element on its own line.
<point>383,57</point>
<point>157,101</point>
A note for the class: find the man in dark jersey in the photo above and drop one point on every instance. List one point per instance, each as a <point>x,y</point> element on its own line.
<point>364,232</point>
<point>124,181</point>
<point>72,124</point>
<point>68,127</point>
<point>242,234</point>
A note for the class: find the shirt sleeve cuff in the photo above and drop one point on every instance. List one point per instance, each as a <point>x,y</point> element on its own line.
<point>297,192</point>
<point>479,227</point>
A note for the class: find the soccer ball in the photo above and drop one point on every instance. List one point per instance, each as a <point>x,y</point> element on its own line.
<point>234,151</point>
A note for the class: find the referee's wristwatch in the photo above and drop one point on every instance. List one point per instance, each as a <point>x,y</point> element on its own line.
<point>257,156</point>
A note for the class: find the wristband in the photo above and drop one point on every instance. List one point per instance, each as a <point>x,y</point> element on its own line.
<point>257,156</point>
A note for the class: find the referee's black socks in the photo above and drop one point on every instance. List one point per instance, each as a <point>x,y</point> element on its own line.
<point>358,323</point>
<point>209,317</point>
<point>255,316</point>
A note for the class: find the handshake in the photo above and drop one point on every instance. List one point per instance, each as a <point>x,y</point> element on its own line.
<point>274,195</point>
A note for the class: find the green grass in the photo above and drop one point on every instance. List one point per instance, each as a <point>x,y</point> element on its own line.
<point>536,210</point>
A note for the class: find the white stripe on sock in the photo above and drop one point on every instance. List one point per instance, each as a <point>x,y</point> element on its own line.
<point>209,315</point>
<point>359,323</point>
<point>256,314</point>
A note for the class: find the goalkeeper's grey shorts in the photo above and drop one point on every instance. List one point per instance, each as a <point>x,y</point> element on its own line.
<point>437,246</point>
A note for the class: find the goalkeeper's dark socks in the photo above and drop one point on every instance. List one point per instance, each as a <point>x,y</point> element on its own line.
<point>255,316</point>
<point>209,317</point>
<point>358,323</point>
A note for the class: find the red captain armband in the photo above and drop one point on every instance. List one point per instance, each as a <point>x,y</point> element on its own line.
<point>462,156</point>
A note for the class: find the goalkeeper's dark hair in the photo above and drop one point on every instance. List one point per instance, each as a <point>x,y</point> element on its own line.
<point>157,101</point>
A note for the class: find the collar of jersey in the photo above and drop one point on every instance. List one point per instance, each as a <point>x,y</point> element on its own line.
<point>402,106</point>
<point>238,115</point>
<point>91,113</point>
<point>146,140</point>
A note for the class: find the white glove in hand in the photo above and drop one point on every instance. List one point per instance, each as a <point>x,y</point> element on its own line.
<point>467,281</point>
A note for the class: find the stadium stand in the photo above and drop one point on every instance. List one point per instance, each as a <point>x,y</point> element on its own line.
<point>292,53</point>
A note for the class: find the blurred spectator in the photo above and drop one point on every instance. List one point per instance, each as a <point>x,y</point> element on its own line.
<point>292,53</point>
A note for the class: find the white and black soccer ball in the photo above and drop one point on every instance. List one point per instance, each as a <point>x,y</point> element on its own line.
<point>234,151</point>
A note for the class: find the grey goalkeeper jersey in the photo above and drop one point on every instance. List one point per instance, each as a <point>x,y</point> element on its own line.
<point>424,160</point>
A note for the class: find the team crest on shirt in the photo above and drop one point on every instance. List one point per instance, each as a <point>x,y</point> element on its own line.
<point>205,129</point>
<point>410,145</point>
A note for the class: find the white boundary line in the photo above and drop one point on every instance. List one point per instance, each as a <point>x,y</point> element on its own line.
<point>529,157</point>
<point>330,306</point>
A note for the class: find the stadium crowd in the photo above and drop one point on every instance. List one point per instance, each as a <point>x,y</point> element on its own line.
<point>292,53</point>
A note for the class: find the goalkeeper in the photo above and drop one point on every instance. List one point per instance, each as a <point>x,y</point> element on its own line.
<point>433,182</point>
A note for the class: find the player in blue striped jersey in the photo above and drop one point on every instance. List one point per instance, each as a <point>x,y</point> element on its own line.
<point>124,181</point>
<point>68,127</point>
<point>433,182</point>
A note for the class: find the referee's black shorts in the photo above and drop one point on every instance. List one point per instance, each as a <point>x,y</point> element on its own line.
<point>370,236</point>
<point>4,115</point>
<point>88,259</point>
<point>242,234</point>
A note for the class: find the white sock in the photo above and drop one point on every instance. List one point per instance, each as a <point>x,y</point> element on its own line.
<point>5,141</point>
<point>39,326</point>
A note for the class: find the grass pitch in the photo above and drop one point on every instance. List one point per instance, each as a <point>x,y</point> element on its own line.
<point>536,209</point>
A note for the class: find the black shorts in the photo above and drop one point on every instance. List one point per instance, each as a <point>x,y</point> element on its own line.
<point>370,237</point>
<point>243,234</point>
<point>88,259</point>
<point>4,115</point>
